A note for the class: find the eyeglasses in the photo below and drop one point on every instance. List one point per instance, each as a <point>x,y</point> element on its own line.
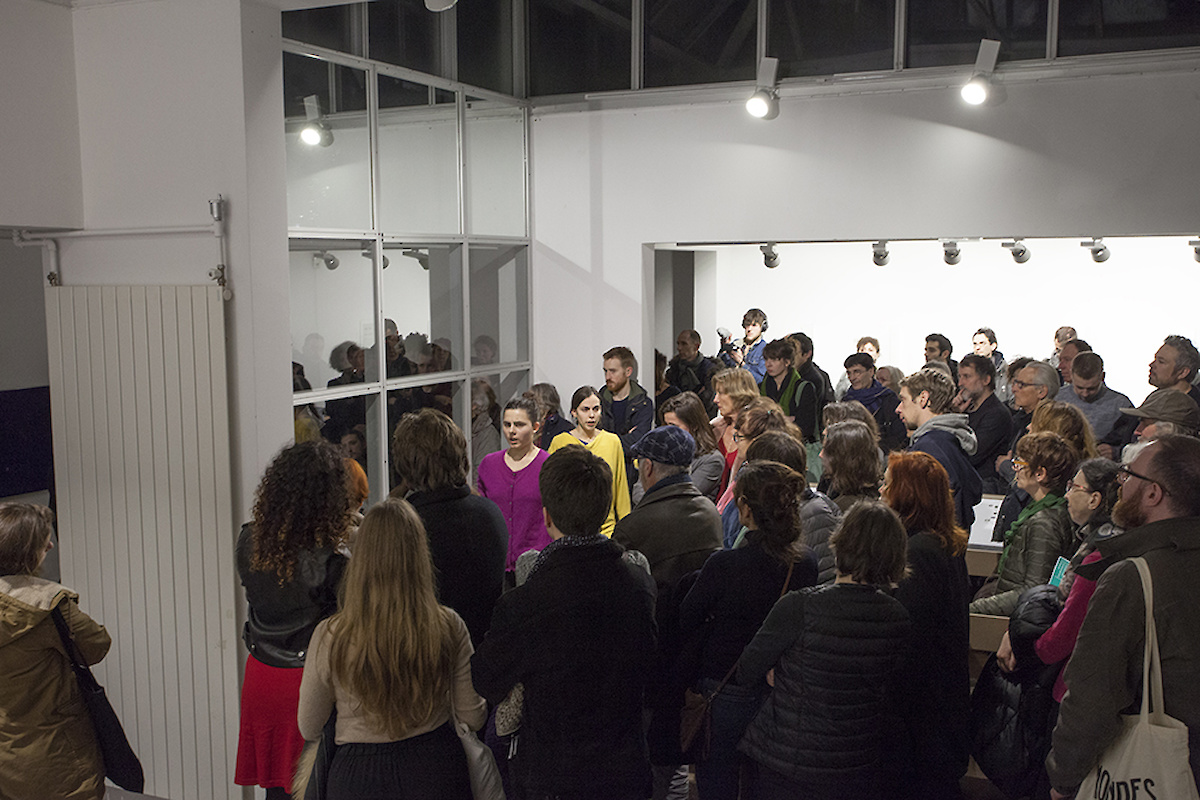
<point>737,437</point>
<point>1124,473</point>
<point>1072,486</point>
<point>1022,384</point>
<point>1019,464</point>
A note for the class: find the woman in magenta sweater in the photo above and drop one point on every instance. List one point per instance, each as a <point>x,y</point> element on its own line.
<point>509,478</point>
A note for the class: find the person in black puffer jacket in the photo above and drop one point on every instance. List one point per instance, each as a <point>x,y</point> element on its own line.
<point>1013,713</point>
<point>829,728</point>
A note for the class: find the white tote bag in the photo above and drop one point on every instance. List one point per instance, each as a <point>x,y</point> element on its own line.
<point>1150,757</point>
<point>485,775</point>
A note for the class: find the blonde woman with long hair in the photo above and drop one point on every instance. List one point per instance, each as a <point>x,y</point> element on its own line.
<point>396,666</point>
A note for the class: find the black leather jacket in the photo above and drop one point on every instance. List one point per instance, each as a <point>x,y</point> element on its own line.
<point>282,616</point>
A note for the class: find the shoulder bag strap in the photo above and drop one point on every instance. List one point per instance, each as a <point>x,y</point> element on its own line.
<point>82,672</point>
<point>728,675</point>
<point>1152,688</point>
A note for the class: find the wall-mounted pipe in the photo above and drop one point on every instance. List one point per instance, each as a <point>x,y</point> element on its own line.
<point>49,242</point>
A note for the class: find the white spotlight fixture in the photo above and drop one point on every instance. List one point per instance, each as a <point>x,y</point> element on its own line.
<point>976,90</point>
<point>764,103</point>
<point>1019,251</point>
<point>315,131</point>
<point>770,257</point>
<point>880,254</point>
<point>1100,252</point>
<point>950,252</point>
<point>421,256</point>
<point>440,5</point>
<point>386,261</point>
<point>323,258</point>
<point>1196,245</point>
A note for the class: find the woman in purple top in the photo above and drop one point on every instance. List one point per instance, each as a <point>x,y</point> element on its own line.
<point>509,478</point>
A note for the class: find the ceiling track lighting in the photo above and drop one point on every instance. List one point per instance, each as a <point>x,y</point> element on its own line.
<point>440,5</point>
<point>386,261</point>
<point>1195,245</point>
<point>315,131</point>
<point>770,256</point>
<point>979,88</point>
<point>880,254</point>
<point>1100,252</point>
<point>421,256</point>
<point>950,252</point>
<point>764,103</point>
<point>1019,251</point>
<point>323,258</point>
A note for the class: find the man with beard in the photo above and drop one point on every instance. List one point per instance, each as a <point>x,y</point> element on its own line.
<point>1175,366</point>
<point>987,416</point>
<point>924,405</point>
<point>1159,507</point>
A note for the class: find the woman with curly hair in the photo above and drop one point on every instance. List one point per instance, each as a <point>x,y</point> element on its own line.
<point>732,389</point>
<point>729,601</point>
<point>396,665</point>
<point>934,693</point>
<point>289,564</point>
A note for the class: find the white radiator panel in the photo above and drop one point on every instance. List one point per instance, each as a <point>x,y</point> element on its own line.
<point>142,467</point>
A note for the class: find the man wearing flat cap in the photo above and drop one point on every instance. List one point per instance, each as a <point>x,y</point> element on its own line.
<point>1163,412</point>
<point>673,525</point>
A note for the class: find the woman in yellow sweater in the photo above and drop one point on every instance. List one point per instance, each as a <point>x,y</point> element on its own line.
<point>585,407</point>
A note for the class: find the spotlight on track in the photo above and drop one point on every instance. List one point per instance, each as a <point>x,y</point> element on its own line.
<point>764,103</point>
<point>976,91</point>
<point>1019,251</point>
<point>323,258</point>
<point>1100,252</point>
<point>880,254</point>
<point>950,252</point>
<point>770,256</point>
<point>1195,244</point>
<point>315,130</point>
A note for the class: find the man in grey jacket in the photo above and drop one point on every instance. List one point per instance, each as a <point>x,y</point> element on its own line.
<point>1160,510</point>
<point>924,405</point>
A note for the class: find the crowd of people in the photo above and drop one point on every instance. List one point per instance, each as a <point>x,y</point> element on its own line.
<point>784,552</point>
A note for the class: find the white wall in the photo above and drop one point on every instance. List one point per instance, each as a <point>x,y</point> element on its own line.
<point>836,294</point>
<point>1103,156</point>
<point>39,124</point>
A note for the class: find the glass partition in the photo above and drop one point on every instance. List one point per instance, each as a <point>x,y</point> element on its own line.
<point>1113,26</point>
<point>328,184</point>
<point>499,304</point>
<point>825,38</point>
<point>404,33</point>
<point>418,159</point>
<point>699,42</point>
<point>332,317</point>
<point>422,304</point>
<point>495,179</point>
<point>944,33</point>
<point>581,47</point>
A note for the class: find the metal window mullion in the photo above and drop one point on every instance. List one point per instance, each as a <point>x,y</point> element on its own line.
<point>379,459</point>
<point>1052,30</point>
<point>900,40</point>
<point>520,59</point>
<point>760,34</point>
<point>637,44</point>
<point>448,34</point>
<point>460,102</point>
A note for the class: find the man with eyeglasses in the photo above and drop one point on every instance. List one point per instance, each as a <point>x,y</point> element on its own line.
<point>1159,507</point>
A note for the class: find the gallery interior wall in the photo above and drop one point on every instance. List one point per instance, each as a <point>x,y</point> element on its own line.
<point>1100,156</point>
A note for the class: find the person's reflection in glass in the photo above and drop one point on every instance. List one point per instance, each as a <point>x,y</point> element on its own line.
<point>484,350</point>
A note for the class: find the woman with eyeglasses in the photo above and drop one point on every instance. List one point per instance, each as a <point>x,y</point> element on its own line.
<point>1091,495</point>
<point>1042,532</point>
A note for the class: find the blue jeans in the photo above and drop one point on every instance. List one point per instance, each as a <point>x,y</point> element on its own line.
<point>718,777</point>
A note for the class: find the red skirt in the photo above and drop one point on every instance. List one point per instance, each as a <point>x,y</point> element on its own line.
<point>269,740</point>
